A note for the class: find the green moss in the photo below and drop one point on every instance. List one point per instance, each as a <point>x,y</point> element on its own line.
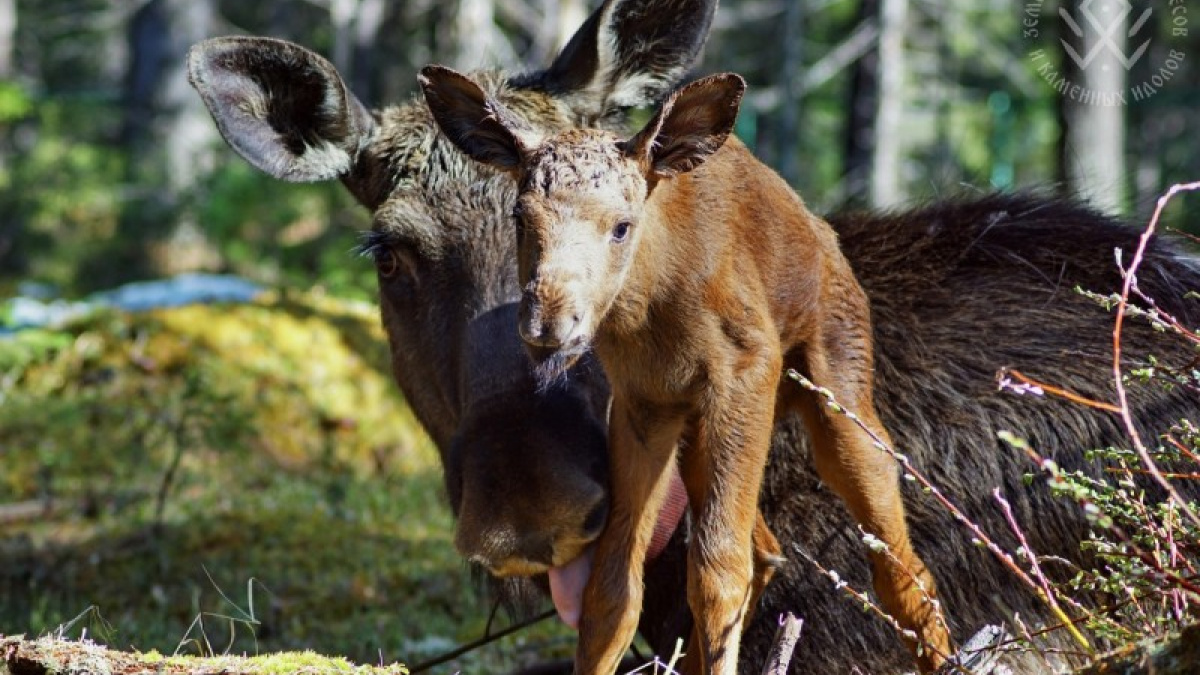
<point>296,381</point>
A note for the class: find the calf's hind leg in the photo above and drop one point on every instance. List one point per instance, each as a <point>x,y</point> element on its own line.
<point>768,557</point>
<point>867,479</point>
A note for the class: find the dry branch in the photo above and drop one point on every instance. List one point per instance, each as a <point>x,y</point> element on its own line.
<point>784,644</point>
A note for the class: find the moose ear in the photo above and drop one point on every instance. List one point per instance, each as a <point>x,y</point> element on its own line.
<point>692,124</point>
<point>628,53</point>
<point>476,123</point>
<point>280,106</point>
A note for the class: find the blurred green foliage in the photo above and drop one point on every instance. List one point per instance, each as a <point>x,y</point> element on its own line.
<point>64,196</point>
<point>14,102</point>
<point>293,378</point>
<point>77,215</point>
<point>285,234</point>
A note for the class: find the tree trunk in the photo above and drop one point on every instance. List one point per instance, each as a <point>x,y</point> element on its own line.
<point>791,88</point>
<point>341,16</point>
<point>356,25</point>
<point>364,78</point>
<point>163,114</point>
<point>859,141</point>
<point>887,187</point>
<point>1096,63</point>
<point>477,39</point>
<point>8,33</point>
<point>169,136</point>
<point>185,125</point>
<point>556,23</point>
<point>570,16</point>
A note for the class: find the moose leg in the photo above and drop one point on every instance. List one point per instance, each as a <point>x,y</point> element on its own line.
<point>867,479</point>
<point>767,559</point>
<point>641,445</point>
<point>732,553</point>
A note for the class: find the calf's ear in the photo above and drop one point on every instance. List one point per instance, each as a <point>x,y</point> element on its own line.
<point>692,124</point>
<point>476,123</point>
<point>628,53</point>
<point>282,107</point>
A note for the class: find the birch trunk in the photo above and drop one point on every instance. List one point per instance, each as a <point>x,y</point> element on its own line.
<point>887,187</point>
<point>8,34</point>
<point>1094,134</point>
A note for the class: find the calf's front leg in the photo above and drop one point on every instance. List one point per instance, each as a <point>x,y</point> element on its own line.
<point>768,558</point>
<point>642,443</point>
<point>732,554</point>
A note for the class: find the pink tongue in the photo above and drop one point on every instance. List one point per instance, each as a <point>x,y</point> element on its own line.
<point>566,587</point>
<point>567,582</point>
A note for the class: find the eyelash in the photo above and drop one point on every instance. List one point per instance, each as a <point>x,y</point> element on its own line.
<point>381,249</point>
<point>371,245</point>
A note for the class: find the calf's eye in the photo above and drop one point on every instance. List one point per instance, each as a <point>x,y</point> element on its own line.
<point>621,231</point>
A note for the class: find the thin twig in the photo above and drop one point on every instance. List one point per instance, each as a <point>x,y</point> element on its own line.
<point>1051,469</point>
<point>869,604</point>
<point>1118,379</point>
<point>1047,590</point>
<point>1002,376</point>
<point>476,644</point>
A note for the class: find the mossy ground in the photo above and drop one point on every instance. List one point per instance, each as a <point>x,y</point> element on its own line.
<point>51,655</point>
<point>232,479</point>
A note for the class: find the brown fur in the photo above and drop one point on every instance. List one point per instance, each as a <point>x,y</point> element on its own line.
<point>698,275</point>
<point>957,290</point>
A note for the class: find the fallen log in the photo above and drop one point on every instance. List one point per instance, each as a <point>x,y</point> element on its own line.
<point>57,656</point>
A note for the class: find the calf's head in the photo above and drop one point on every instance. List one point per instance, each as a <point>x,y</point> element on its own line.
<point>525,466</point>
<point>581,207</point>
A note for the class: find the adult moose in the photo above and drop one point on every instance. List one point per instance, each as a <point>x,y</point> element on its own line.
<point>697,276</point>
<point>956,290</point>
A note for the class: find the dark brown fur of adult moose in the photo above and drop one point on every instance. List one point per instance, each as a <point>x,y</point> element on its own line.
<point>697,276</point>
<point>957,291</point>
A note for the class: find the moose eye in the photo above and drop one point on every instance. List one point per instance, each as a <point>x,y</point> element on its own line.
<point>388,263</point>
<point>621,231</point>
<point>393,262</point>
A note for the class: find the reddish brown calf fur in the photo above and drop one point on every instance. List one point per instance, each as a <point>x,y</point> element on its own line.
<point>698,277</point>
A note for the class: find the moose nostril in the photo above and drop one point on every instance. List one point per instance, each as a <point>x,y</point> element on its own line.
<point>541,550</point>
<point>531,331</point>
<point>596,519</point>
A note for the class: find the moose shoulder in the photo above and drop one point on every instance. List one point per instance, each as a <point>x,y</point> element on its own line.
<point>957,290</point>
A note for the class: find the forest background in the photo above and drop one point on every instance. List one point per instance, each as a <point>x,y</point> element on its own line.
<point>247,478</point>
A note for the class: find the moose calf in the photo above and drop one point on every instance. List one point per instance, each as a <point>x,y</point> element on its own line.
<point>697,276</point>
